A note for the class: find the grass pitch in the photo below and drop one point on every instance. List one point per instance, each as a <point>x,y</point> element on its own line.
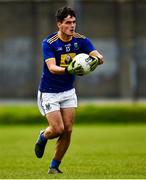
<point>98,151</point>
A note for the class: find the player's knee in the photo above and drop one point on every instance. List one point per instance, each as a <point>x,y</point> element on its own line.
<point>54,131</point>
<point>67,134</point>
<point>68,130</point>
<point>59,130</point>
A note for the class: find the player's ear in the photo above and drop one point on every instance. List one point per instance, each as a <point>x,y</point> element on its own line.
<point>58,24</point>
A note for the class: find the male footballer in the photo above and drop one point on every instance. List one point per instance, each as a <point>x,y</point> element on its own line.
<point>57,98</point>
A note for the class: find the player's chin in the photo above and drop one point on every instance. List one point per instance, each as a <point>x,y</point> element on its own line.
<point>70,33</point>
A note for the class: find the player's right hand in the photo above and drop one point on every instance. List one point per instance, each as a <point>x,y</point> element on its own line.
<point>78,70</point>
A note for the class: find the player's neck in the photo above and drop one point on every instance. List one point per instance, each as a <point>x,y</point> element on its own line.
<point>64,37</point>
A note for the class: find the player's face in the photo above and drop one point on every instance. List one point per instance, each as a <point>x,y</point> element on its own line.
<point>68,25</point>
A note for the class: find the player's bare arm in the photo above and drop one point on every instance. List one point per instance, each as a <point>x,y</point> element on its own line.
<point>53,68</point>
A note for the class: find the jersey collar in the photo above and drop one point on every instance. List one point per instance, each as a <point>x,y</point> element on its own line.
<point>64,39</point>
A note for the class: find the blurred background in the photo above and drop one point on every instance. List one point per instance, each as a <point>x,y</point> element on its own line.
<point>116,28</point>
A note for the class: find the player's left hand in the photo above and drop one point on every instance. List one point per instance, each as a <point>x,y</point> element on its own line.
<point>94,63</point>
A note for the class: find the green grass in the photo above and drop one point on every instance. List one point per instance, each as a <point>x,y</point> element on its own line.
<point>99,151</point>
<point>100,113</point>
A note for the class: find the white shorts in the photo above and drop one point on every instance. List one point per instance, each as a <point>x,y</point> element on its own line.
<point>49,102</point>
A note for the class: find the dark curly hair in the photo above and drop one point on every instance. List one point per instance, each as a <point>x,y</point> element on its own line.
<point>63,12</point>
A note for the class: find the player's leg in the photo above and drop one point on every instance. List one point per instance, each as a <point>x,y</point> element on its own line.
<point>49,107</point>
<point>55,129</point>
<point>68,103</point>
<point>64,140</point>
<point>56,126</point>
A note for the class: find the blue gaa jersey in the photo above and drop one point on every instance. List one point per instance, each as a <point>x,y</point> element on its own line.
<point>63,52</point>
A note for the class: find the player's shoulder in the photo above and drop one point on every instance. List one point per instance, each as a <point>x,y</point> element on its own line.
<point>78,35</point>
<point>51,38</point>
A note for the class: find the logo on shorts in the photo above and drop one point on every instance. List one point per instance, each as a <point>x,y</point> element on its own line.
<point>48,107</point>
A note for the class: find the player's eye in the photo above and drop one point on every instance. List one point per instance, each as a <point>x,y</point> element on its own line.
<point>70,22</point>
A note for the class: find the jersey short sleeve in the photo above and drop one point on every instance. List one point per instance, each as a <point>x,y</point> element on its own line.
<point>87,46</point>
<point>47,50</point>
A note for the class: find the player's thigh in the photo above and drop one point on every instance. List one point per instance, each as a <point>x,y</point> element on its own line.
<point>55,120</point>
<point>68,115</point>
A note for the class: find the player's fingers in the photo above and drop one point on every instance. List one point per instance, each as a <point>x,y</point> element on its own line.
<point>79,67</point>
<point>93,62</point>
<point>92,68</point>
<point>80,74</point>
